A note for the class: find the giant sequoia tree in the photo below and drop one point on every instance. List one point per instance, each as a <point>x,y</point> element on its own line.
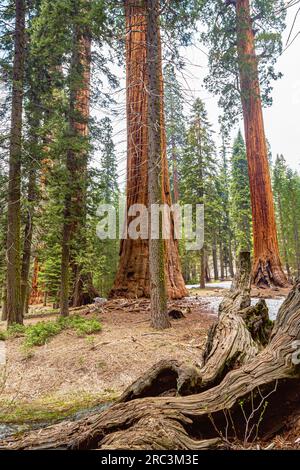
<point>132,279</point>
<point>244,43</point>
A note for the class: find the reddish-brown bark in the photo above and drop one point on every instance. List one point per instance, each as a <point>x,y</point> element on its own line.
<point>14,305</point>
<point>36,294</point>
<point>75,201</point>
<point>267,269</point>
<point>84,291</point>
<point>132,279</point>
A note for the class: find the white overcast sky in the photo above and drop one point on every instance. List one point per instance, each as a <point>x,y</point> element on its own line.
<point>281,120</point>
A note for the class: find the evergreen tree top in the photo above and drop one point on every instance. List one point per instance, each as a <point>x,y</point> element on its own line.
<point>220,36</point>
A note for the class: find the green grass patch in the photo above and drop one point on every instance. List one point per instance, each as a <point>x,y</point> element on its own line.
<point>51,408</point>
<point>82,326</point>
<point>16,330</point>
<point>3,336</point>
<point>41,332</point>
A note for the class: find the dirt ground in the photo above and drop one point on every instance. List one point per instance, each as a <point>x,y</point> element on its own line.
<point>99,367</point>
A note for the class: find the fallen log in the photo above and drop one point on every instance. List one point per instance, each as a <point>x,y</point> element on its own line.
<point>258,398</point>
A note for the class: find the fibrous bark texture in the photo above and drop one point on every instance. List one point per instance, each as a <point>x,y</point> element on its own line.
<point>14,305</point>
<point>267,269</point>
<point>158,299</point>
<point>75,200</point>
<point>178,406</point>
<point>28,231</point>
<point>132,279</point>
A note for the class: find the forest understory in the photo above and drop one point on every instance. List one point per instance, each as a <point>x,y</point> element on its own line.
<point>97,367</point>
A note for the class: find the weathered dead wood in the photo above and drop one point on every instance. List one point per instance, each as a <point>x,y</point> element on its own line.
<point>167,377</point>
<point>240,332</point>
<point>234,340</point>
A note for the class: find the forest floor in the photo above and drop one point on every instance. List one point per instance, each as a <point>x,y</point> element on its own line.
<point>71,373</point>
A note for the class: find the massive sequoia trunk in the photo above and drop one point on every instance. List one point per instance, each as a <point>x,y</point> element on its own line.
<point>267,269</point>
<point>247,373</point>
<point>158,299</point>
<point>132,279</point>
<point>14,306</point>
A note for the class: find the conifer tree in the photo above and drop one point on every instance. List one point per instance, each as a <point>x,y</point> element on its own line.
<point>225,229</point>
<point>244,41</point>
<point>282,209</point>
<point>286,184</point>
<point>175,126</point>
<point>198,175</point>
<point>101,256</point>
<point>14,306</point>
<point>240,203</point>
<point>132,279</point>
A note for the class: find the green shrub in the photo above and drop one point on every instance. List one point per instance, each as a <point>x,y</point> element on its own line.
<point>3,336</point>
<point>82,326</point>
<point>39,334</point>
<point>15,330</point>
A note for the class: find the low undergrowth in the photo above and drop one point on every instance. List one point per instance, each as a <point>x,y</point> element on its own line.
<point>40,333</point>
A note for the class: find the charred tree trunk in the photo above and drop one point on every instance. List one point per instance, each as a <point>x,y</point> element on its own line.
<point>246,373</point>
<point>14,306</point>
<point>267,269</point>
<point>132,279</point>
